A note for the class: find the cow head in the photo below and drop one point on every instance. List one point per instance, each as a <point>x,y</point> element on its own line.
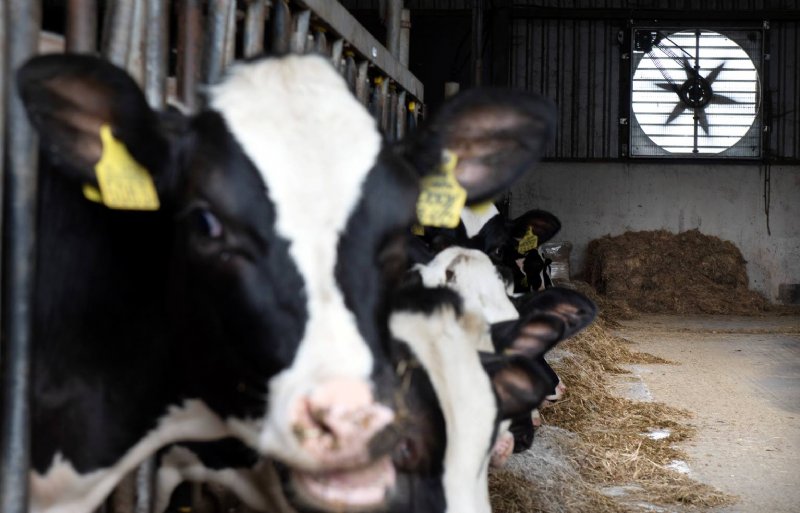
<point>289,217</point>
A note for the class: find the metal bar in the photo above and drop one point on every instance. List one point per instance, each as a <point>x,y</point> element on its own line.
<point>117,31</point>
<point>320,42</point>
<point>336,54</point>
<point>400,115</point>
<point>362,83</point>
<point>281,27</point>
<point>345,25</point>
<point>477,42</point>
<point>135,61</point>
<point>230,36</point>
<point>22,25</point>
<point>190,47</point>
<point>145,486</point>
<point>405,37</point>
<point>155,63</point>
<point>394,9</point>
<point>385,104</point>
<point>300,33</point>
<point>391,113</point>
<point>81,30</point>
<point>254,28</point>
<point>350,72</point>
<point>214,47</point>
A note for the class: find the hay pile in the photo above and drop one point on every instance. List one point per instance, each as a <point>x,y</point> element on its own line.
<point>594,442</point>
<point>661,272</point>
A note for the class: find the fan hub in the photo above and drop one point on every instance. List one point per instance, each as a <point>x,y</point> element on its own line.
<point>696,92</point>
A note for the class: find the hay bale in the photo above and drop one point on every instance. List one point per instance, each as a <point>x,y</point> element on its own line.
<point>662,272</point>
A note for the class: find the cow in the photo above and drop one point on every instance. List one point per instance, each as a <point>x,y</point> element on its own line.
<point>453,398</point>
<point>226,274</point>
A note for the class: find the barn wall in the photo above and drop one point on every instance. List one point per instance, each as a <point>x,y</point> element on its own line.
<point>596,199</point>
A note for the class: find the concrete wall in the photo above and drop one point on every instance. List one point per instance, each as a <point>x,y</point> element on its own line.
<point>596,199</point>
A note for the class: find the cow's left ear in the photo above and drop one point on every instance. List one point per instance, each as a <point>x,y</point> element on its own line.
<point>541,223</point>
<point>496,135</point>
<point>82,105</point>
<point>520,384</point>
<point>547,318</point>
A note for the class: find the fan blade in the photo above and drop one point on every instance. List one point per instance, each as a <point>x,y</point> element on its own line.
<point>714,73</point>
<point>690,72</point>
<point>673,88</point>
<point>723,100</point>
<point>702,119</point>
<point>677,111</point>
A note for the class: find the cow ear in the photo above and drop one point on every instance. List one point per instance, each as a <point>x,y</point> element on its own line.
<point>496,135</point>
<point>546,319</point>
<point>72,99</point>
<point>520,384</point>
<point>541,223</point>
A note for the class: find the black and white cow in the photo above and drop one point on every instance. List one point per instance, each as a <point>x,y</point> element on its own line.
<point>252,302</point>
<point>454,398</point>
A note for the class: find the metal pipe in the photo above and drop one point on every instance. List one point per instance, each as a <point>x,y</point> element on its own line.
<point>281,27</point>
<point>155,60</point>
<point>350,72</point>
<point>320,42</point>
<point>362,83</point>
<point>81,30</point>
<point>300,32</point>
<point>405,37</point>
<point>230,36</point>
<point>117,31</point>
<point>190,47</point>
<point>214,47</point>
<point>145,486</point>
<point>22,24</point>
<point>336,54</point>
<point>394,9</point>
<point>254,28</point>
<point>400,115</point>
<point>477,42</point>
<point>385,105</point>
<point>135,59</point>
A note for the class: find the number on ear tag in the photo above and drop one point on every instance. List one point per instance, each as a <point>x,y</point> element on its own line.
<point>528,243</point>
<point>442,198</point>
<point>124,184</point>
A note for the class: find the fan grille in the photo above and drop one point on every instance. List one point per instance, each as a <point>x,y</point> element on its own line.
<point>728,125</point>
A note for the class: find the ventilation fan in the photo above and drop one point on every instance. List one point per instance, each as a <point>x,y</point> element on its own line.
<point>695,93</point>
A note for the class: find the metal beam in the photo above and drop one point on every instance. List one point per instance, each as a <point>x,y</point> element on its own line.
<point>117,31</point>
<point>214,43</point>
<point>345,25</point>
<point>190,47</point>
<point>81,26</point>
<point>652,14</point>
<point>155,60</point>
<point>254,28</point>
<point>22,25</point>
<point>394,9</point>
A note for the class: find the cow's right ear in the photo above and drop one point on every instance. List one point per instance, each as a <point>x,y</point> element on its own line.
<point>73,101</point>
<point>496,135</point>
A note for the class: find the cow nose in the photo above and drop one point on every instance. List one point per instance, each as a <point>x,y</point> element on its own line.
<point>337,420</point>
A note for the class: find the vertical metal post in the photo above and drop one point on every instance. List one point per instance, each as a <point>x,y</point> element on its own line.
<point>320,42</point>
<point>362,83</point>
<point>81,30</point>
<point>157,15</point>
<point>145,486</point>
<point>230,36</point>
<point>385,104</point>
<point>336,54</point>
<point>394,8</point>
<point>300,32</point>
<point>22,25</point>
<point>254,28</point>
<point>405,36</point>
<point>400,115</point>
<point>350,72</point>
<point>190,46</point>
<point>281,27</point>
<point>117,31</point>
<point>477,42</point>
<point>214,47</point>
<point>136,59</point>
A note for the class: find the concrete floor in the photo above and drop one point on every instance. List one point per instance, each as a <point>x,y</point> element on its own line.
<point>740,376</point>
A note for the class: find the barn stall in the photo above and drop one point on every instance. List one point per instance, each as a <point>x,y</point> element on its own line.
<point>676,183</point>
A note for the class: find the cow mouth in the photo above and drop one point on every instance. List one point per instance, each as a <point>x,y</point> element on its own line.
<point>359,489</point>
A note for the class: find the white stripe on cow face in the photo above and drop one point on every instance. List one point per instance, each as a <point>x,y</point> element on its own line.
<point>474,221</point>
<point>473,275</point>
<point>444,344</point>
<point>314,145</point>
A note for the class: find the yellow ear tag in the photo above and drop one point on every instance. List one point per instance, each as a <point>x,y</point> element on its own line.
<point>417,229</point>
<point>92,193</point>
<point>442,198</point>
<point>528,243</point>
<point>124,183</point>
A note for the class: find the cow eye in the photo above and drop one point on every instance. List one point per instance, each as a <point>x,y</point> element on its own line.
<point>207,224</point>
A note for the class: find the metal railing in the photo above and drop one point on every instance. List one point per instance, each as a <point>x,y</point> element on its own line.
<point>210,35</point>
